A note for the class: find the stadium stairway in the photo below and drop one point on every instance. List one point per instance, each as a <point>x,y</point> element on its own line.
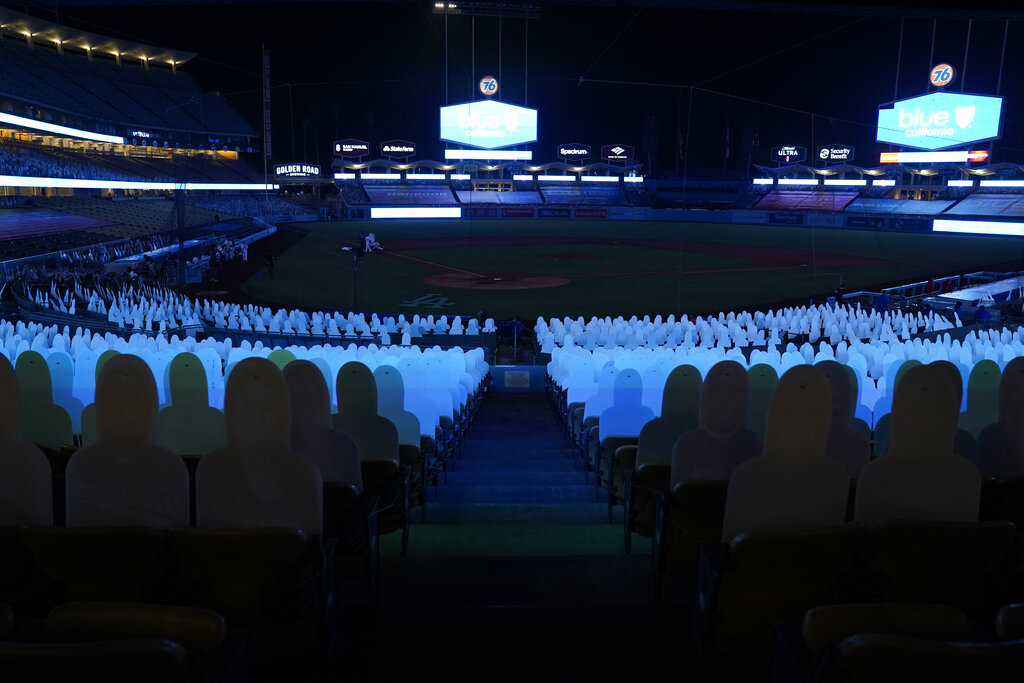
<point>516,568</point>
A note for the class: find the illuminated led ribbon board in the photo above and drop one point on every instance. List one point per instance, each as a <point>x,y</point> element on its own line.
<point>940,120</point>
<point>488,124</point>
<point>79,184</point>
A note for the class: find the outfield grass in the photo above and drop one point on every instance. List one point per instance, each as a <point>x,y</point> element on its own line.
<point>606,267</point>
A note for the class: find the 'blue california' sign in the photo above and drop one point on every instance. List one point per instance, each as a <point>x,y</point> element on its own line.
<point>940,120</point>
<point>488,124</point>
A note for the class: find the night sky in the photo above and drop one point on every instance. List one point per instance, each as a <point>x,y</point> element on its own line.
<point>376,71</point>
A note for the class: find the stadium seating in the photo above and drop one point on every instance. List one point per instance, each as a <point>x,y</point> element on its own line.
<point>100,89</point>
<point>900,206</point>
<point>805,200</point>
<point>982,204</point>
<point>424,195</point>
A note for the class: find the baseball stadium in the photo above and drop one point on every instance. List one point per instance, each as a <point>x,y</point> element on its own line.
<point>358,339</point>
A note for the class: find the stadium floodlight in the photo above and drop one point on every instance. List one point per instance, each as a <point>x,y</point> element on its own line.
<point>557,178</point>
<point>852,182</point>
<point>344,176</point>
<point>600,178</point>
<point>979,227</point>
<point>487,155</point>
<point>883,182</point>
<point>764,181</point>
<point>415,212</point>
<point>960,183</point>
<point>23,122</point>
<point>633,179</point>
<point>798,181</point>
<point>380,176</point>
<point>523,178</point>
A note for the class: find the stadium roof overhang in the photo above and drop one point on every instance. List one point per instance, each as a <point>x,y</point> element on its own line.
<point>42,31</point>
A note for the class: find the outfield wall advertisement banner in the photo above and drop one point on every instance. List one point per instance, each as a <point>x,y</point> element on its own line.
<point>591,213</point>
<point>940,120</point>
<point>517,212</point>
<point>549,212</point>
<point>488,124</point>
<point>780,218</point>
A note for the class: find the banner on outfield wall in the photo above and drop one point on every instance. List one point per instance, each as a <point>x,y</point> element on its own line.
<point>591,213</point>
<point>865,222</point>
<point>550,212</point>
<point>785,218</point>
<point>910,224</point>
<point>479,212</point>
<point>517,212</point>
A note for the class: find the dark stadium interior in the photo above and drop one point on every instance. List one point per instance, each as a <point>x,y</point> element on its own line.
<point>669,339</point>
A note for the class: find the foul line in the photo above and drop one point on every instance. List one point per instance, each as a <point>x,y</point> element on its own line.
<point>429,264</point>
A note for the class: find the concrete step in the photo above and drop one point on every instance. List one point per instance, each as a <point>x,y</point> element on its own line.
<point>519,493</point>
<point>549,514</point>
